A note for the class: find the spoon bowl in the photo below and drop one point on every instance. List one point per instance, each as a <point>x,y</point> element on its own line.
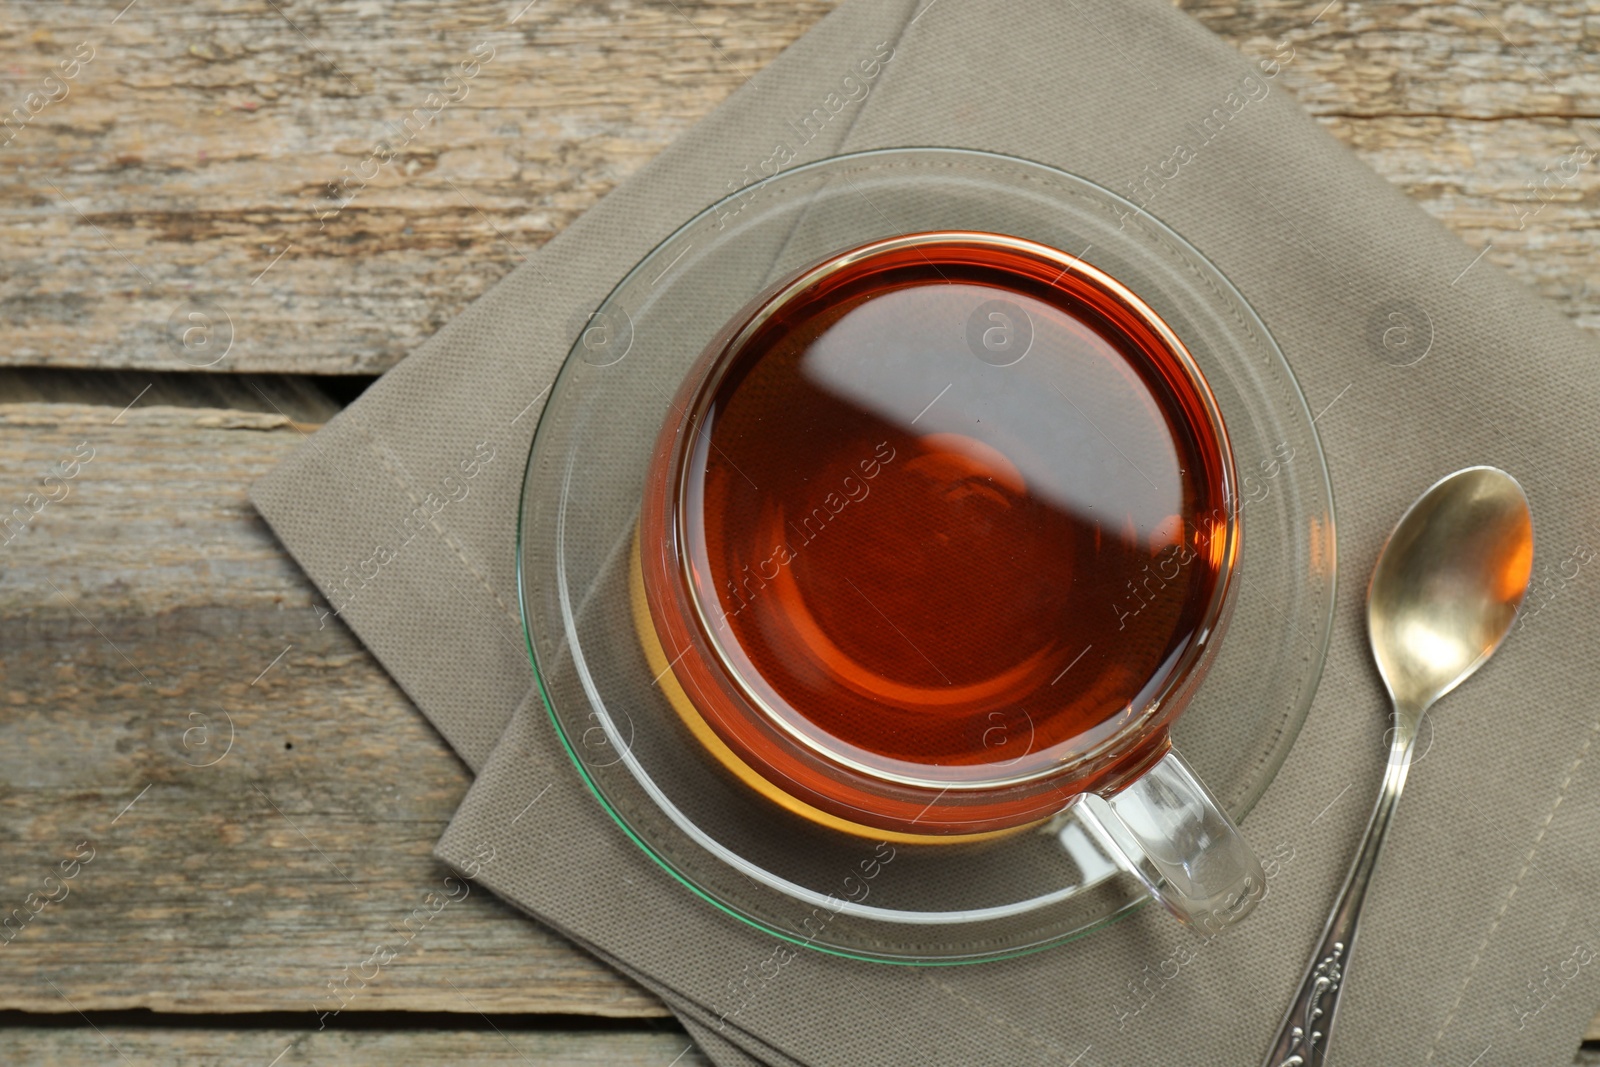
<point>1448,584</point>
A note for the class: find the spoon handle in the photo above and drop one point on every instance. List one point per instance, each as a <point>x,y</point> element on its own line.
<point>1303,1036</point>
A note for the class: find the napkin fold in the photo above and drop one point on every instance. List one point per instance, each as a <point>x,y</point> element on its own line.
<point>1479,943</point>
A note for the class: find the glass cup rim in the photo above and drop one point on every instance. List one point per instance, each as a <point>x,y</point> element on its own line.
<point>1178,673</point>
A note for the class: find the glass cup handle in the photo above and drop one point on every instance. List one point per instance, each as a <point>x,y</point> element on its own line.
<point>1169,831</point>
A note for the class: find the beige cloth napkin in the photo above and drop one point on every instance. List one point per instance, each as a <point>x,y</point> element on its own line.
<point>1479,944</point>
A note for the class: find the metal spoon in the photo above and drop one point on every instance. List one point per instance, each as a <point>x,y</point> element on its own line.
<point>1443,596</point>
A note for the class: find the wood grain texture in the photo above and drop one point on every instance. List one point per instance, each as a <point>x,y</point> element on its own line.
<point>1482,113</point>
<point>140,613</point>
<point>118,1046</point>
<point>201,141</point>
<point>199,145</point>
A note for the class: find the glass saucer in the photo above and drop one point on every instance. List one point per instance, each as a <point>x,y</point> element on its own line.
<point>806,883</point>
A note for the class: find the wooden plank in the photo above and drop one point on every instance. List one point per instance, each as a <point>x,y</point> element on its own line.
<point>117,1046</point>
<point>1475,178</point>
<point>1489,60</point>
<point>49,1047</point>
<point>1475,111</point>
<point>197,147</point>
<point>140,610</point>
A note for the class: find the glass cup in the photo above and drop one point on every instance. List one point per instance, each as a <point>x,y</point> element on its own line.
<point>937,540</point>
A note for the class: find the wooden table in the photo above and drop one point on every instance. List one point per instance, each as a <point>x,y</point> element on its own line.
<point>260,798</point>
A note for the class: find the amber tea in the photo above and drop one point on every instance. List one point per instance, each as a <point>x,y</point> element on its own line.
<point>934,527</point>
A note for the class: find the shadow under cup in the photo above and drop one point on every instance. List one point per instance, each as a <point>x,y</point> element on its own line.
<point>938,539</point>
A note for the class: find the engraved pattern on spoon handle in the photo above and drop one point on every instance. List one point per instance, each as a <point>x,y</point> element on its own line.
<point>1302,1039</point>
